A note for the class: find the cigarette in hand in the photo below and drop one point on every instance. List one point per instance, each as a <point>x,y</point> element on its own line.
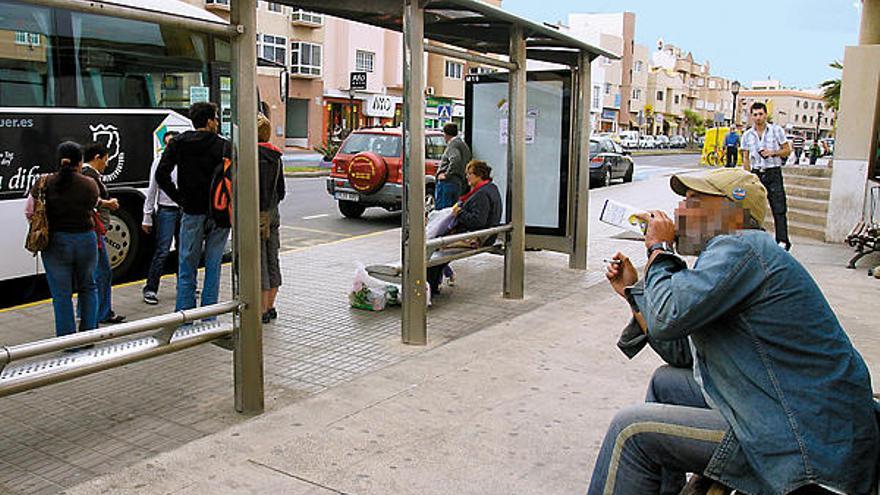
<point>609,261</point>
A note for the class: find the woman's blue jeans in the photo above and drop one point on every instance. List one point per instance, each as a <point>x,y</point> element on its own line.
<point>70,261</point>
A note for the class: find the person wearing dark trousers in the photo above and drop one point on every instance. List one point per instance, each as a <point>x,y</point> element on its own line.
<point>451,182</point>
<point>731,142</point>
<point>272,191</point>
<point>166,225</point>
<point>797,143</point>
<point>764,151</point>
<point>95,156</point>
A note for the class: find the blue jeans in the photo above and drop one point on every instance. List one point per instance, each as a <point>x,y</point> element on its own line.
<point>648,443</point>
<point>103,283</point>
<point>446,194</point>
<point>199,234</point>
<point>70,261</point>
<point>166,225</point>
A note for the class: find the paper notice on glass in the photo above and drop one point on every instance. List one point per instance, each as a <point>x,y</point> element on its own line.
<point>623,216</point>
<point>531,125</point>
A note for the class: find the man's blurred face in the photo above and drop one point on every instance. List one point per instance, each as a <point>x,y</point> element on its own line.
<point>759,116</point>
<point>700,217</point>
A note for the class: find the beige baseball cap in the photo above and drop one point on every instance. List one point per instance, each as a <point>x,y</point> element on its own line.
<point>741,187</point>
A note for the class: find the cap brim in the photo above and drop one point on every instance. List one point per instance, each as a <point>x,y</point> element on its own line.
<point>681,184</point>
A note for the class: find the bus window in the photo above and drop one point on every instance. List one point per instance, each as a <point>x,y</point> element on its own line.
<point>26,69</point>
<point>132,64</point>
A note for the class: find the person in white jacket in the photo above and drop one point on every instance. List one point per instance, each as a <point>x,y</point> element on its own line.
<point>167,224</point>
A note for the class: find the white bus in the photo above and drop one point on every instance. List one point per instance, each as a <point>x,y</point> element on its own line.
<point>85,77</point>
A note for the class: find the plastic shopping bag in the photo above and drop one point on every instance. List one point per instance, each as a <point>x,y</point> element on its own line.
<point>371,293</point>
<point>440,222</point>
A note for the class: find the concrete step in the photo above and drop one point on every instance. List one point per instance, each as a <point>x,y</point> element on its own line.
<point>818,206</point>
<point>797,229</point>
<point>807,192</point>
<point>814,171</point>
<point>807,180</point>
<point>807,217</point>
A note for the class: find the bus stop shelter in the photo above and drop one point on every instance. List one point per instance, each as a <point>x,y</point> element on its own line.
<point>468,30</point>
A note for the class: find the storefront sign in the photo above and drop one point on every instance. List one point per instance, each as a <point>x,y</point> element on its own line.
<point>379,106</point>
<point>357,81</point>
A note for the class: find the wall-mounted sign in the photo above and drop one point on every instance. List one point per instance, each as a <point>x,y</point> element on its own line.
<point>199,93</point>
<point>357,80</point>
<point>379,106</point>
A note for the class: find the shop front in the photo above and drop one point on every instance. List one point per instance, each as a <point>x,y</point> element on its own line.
<point>341,116</point>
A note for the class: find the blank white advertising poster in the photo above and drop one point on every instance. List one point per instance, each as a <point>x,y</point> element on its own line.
<point>546,118</point>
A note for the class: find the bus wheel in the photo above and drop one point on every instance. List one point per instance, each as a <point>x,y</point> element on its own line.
<point>123,242</point>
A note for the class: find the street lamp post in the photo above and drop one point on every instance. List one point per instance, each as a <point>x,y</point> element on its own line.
<point>734,88</point>
<point>818,121</point>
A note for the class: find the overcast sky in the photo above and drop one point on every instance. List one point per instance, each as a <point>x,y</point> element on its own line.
<point>789,40</point>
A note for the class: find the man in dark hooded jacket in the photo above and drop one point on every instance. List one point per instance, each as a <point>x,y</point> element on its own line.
<point>196,155</point>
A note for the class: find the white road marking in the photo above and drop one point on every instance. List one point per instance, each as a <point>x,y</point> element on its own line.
<point>312,217</point>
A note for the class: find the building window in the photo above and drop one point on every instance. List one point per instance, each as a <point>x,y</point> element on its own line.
<point>700,82</point>
<point>27,39</point>
<point>273,7</point>
<point>638,66</point>
<point>607,88</point>
<point>677,99</point>
<point>659,95</point>
<point>597,94</point>
<point>811,119</point>
<point>636,94</point>
<point>363,61</point>
<point>218,2</point>
<point>700,104</point>
<point>712,84</point>
<point>606,60</point>
<point>306,17</point>
<point>272,48</point>
<point>305,58</point>
<point>454,69</point>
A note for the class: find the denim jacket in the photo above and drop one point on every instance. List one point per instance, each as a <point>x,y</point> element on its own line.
<point>774,361</point>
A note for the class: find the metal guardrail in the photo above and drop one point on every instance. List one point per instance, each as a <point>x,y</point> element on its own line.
<point>170,337</point>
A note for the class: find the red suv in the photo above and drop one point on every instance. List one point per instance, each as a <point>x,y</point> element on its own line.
<point>368,170</point>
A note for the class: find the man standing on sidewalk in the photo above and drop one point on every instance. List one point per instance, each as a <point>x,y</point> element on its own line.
<point>196,155</point>
<point>450,174</point>
<point>779,400</point>
<point>95,156</point>
<point>731,142</point>
<point>764,150</point>
<point>167,224</point>
<point>797,142</point>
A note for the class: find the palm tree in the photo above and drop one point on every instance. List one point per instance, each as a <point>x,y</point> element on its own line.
<point>831,95</point>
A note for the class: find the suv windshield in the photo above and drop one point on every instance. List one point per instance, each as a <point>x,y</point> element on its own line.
<point>380,144</point>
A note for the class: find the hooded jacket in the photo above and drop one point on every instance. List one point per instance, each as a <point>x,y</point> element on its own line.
<point>272,189</point>
<point>196,155</point>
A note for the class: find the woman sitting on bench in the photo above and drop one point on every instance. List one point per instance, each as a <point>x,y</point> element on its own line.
<point>479,209</point>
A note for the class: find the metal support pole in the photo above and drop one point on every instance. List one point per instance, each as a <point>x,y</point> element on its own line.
<point>414,319</point>
<point>580,203</point>
<point>248,331</point>
<point>470,57</point>
<point>514,253</point>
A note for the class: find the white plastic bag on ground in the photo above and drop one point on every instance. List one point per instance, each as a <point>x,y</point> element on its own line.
<point>373,294</point>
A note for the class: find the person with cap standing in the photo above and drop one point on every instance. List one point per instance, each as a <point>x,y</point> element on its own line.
<point>764,150</point>
<point>779,401</point>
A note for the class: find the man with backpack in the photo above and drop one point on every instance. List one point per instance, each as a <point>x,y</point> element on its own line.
<point>201,158</point>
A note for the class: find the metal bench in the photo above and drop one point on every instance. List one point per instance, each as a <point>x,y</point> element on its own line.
<point>865,238</point>
<point>437,255</point>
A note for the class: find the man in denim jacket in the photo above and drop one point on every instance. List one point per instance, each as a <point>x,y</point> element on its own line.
<point>779,401</point>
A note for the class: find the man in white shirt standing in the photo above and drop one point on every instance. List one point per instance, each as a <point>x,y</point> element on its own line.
<point>167,220</point>
<point>764,149</point>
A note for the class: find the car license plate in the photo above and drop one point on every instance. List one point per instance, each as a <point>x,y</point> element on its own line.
<point>344,196</point>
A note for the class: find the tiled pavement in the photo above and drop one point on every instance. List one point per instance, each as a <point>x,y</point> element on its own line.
<point>61,435</point>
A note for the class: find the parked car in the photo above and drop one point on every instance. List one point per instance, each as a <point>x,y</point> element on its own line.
<point>609,161</point>
<point>662,141</point>
<point>610,135</point>
<point>647,142</point>
<point>677,142</point>
<point>629,139</point>
<point>367,170</point>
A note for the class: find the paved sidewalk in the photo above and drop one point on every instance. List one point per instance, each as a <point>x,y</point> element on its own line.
<point>508,396</point>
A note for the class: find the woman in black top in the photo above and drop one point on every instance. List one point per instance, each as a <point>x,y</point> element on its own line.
<point>271,193</point>
<point>72,253</point>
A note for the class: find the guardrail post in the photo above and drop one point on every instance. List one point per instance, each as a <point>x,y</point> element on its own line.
<point>514,253</point>
<point>579,203</point>
<point>414,318</point>
<point>248,330</point>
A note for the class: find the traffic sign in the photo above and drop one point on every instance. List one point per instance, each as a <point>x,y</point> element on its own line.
<point>444,112</point>
<point>357,80</point>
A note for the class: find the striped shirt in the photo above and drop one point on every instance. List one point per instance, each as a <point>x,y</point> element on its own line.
<point>773,139</point>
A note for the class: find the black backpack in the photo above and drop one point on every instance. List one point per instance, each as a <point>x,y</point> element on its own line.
<point>220,208</point>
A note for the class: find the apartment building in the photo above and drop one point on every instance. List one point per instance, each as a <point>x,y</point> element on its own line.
<point>801,112</point>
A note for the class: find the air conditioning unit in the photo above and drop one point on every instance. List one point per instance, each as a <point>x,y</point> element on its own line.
<point>429,90</point>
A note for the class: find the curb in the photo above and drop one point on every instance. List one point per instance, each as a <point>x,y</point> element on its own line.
<point>317,173</point>
<point>664,152</point>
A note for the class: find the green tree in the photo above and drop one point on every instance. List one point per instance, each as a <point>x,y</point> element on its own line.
<point>693,122</point>
<point>831,88</point>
